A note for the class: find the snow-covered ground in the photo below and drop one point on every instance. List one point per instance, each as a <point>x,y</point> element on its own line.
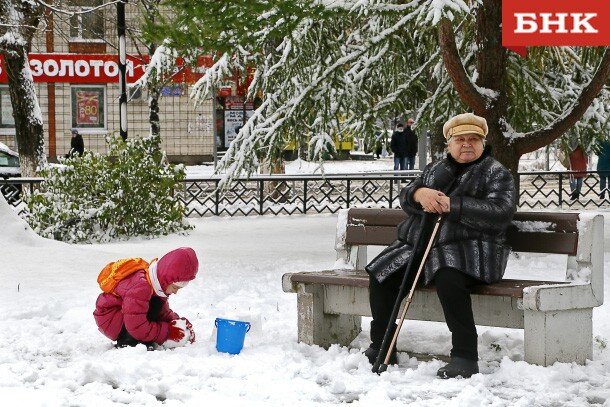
<point>53,355</point>
<point>308,167</point>
<point>529,162</point>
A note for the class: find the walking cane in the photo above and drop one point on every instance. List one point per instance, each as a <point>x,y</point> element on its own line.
<point>379,367</point>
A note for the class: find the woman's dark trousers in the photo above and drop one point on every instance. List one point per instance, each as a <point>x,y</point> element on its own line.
<point>154,311</point>
<point>453,289</point>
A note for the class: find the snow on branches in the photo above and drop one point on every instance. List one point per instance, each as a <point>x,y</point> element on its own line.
<point>326,69</point>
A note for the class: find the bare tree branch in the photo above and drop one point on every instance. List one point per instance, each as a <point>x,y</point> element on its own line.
<point>542,137</point>
<point>456,71</point>
<point>82,10</point>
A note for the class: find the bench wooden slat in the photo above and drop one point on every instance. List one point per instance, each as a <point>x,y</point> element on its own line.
<point>371,235</point>
<point>563,222</point>
<point>541,242</point>
<point>376,217</point>
<point>378,227</point>
<point>505,288</point>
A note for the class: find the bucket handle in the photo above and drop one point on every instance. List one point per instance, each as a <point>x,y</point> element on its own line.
<point>247,323</point>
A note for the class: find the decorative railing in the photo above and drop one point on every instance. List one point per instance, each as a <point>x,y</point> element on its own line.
<point>305,194</point>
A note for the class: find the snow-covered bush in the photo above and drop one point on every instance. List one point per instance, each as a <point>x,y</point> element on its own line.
<point>99,197</point>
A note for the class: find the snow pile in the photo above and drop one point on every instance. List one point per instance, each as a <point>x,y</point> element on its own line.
<point>14,228</point>
<point>53,355</point>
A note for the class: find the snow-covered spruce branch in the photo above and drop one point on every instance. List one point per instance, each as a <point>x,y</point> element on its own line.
<point>213,78</point>
<point>265,132</point>
<point>161,66</point>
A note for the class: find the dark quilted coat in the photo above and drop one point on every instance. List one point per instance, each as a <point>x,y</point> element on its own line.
<point>472,235</point>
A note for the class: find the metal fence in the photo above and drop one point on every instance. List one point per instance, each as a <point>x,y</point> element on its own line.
<point>305,194</point>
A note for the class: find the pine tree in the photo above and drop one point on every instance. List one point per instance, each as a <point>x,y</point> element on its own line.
<point>326,67</point>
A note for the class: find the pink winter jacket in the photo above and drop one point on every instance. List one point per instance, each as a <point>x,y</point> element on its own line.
<point>130,304</point>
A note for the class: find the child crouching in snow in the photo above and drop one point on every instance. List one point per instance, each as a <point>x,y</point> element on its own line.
<point>134,306</point>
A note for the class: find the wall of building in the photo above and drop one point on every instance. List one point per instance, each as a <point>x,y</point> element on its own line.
<point>186,130</point>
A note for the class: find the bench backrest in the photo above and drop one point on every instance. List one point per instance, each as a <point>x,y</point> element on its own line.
<point>539,232</point>
<point>580,236</point>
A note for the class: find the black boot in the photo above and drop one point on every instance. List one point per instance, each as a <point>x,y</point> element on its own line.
<point>371,354</point>
<point>458,367</point>
<point>575,195</point>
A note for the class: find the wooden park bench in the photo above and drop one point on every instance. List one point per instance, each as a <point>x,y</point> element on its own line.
<point>556,316</point>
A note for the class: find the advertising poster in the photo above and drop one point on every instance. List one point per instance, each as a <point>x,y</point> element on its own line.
<point>6,109</point>
<point>88,107</point>
<point>234,120</point>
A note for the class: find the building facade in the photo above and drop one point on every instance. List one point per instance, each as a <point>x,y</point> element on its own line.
<point>74,65</point>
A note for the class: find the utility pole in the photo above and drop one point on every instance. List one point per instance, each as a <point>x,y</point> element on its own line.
<point>422,148</point>
<point>120,11</point>
<point>214,127</point>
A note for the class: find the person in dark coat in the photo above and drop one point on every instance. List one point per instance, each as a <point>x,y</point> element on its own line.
<point>603,166</point>
<point>77,145</point>
<point>476,196</point>
<point>398,144</point>
<point>411,150</point>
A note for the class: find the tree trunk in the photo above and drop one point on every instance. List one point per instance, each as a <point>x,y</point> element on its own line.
<point>26,111</point>
<point>18,21</point>
<point>154,92</point>
<point>153,107</point>
<point>491,64</point>
<point>438,144</point>
<point>275,190</point>
<point>492,76</point>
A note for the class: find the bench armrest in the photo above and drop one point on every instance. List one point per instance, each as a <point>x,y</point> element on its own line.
<point>590,254</point>
<point>348,256</point>
<point>589,260</point>
<point>287,285</point>
<point>560,297</point>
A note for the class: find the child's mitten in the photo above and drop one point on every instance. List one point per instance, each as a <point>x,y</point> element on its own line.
<point>191,332</point>
<point>179,334</point>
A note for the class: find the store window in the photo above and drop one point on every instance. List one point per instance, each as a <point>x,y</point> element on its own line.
<point>135,94</point>
<point>7,121</point>
<point>89,107</point>
<point>87,25</point>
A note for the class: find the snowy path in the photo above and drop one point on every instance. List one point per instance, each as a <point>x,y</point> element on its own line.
<point>53,355</point>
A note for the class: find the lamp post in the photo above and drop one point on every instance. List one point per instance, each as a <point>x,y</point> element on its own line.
<point>120,11</point>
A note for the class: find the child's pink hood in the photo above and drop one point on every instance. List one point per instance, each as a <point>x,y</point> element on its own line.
<point>178,265</point>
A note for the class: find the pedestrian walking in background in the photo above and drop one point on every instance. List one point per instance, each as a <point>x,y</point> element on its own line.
<point>411,145</point>
<point>603,166</point>
<point>378,144</point>
<point>578,162</point>
<point>399,147</point>
<point>77,145</point>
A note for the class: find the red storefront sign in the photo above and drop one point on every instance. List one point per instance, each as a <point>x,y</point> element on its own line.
<point>95,68</point>
<point>555,23</point>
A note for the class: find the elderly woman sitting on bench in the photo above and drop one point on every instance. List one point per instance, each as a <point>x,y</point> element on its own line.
<point>475,195</point>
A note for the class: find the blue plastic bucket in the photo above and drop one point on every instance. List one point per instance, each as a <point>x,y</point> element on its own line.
<point>230,335</point>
